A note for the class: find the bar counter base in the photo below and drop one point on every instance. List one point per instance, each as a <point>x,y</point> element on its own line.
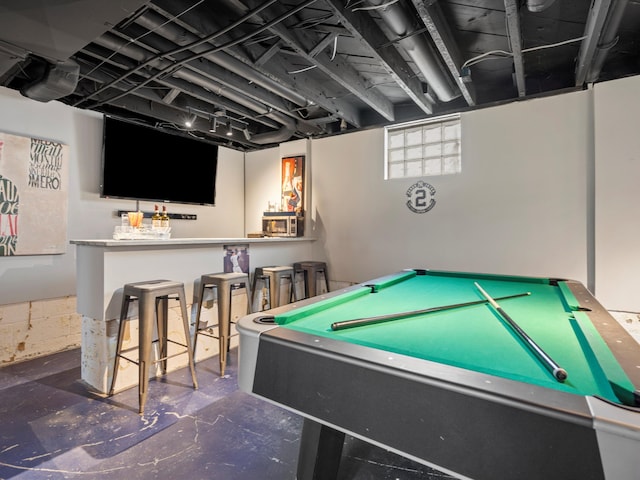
<point>103,267</point>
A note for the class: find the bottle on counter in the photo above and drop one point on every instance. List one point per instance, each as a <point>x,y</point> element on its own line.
<point>164,218</point>
<point>156,219</point>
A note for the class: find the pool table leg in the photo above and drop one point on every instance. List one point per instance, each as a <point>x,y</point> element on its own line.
<point>320,452</point>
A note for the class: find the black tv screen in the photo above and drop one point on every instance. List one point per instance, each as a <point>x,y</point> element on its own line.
<point>144,163</point>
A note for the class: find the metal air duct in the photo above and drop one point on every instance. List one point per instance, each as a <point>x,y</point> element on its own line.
<point>400,22</point>
<point>56,81</point>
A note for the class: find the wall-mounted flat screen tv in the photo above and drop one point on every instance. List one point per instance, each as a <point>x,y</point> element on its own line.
<point>145,163</point>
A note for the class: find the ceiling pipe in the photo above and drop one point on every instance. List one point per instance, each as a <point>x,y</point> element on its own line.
<point>400,22</point>
<point>266,138</point>
<point>537,6</point>
<point>431,14</point>
<point>139,54</point>
<point>608,39</point>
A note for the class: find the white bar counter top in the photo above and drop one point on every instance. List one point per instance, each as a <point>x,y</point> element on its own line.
<point>173,242</point>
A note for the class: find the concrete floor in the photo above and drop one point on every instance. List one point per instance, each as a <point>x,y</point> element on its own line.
<point>52,427</point>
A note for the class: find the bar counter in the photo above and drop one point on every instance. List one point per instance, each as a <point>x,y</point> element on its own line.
<point>103,266</point>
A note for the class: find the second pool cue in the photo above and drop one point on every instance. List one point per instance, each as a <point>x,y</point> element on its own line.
<point>558,372</point>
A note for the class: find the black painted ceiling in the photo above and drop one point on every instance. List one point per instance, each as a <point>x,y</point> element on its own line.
<point>272,71</point>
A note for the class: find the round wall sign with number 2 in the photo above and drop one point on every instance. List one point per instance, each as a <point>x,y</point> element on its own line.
<point>420,197</point>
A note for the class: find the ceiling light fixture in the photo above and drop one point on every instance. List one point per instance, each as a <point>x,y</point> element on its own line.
<point>230,131</point>
<point>190,121</point>
<point>213,125</point>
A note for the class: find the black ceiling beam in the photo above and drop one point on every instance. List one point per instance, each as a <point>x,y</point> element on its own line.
<point>301,42</point>
<point>514,34</point>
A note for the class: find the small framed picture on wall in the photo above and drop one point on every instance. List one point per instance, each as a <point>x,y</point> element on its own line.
<point>293,184</point>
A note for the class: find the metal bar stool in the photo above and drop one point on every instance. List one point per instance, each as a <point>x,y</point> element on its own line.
<point>224,284</point>
<point>311,269</point>
<point>276,275</point>
<point>153,299</point>
<point>261,285</point>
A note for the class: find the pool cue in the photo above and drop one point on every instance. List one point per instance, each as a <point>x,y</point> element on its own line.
<point>357,322</point>
<point>559,373</point>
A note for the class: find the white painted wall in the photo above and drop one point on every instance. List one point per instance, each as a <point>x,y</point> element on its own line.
<point>25,278</point>
<point>617,204</point>
<point>519,206</point>
<point>263,179</point>
<point>263,185</point>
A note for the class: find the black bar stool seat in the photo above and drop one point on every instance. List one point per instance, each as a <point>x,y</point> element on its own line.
<point>152,297</point>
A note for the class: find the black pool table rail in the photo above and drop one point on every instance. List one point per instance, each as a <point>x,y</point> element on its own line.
<point>455,420</point>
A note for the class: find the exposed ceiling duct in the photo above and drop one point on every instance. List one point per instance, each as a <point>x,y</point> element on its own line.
<point>267,138</point>
<point>56,81</point>
<point>401,23</point>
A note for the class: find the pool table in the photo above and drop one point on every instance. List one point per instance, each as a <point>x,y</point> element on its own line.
<point>428,367</point>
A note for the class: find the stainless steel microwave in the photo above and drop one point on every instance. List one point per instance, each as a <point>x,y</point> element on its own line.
<point>282,224</point>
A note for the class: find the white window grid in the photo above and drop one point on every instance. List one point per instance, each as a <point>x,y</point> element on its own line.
<point>422,149</point>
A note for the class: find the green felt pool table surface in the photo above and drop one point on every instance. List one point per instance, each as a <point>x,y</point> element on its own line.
<point>476,337</point>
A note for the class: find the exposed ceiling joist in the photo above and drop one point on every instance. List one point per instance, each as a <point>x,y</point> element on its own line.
<point>336,69</point>
<point>309,68</point>
<point>515,40</point>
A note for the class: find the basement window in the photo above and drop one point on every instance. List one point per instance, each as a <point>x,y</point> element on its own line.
<point>423,149</point>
